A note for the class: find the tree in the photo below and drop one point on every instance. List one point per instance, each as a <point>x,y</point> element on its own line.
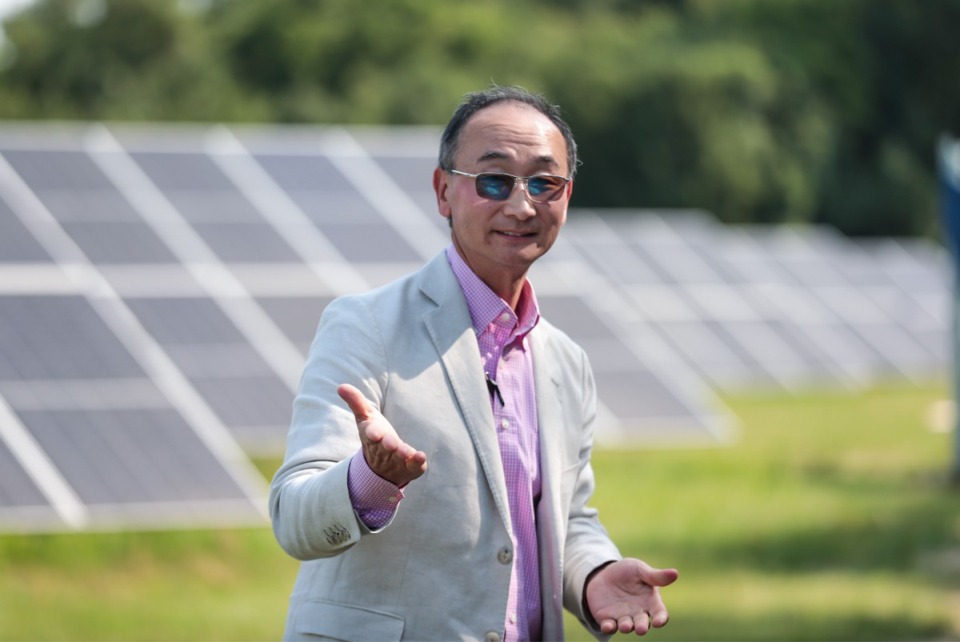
<point>759,111</point>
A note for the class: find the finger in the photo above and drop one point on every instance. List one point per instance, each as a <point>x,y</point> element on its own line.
<point>659,618</point>
<point>625,624</point>
<point>362,409</point>
<point>641,623</point>
<point>608,626</point>
<point>386,443</point>
<point>658,576</point>
<point>417,463</point>
<point>373,434</point>
<point>386,439</point>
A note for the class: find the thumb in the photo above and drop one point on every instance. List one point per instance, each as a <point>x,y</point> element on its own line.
<point>659,576</point>
<point>362,409</point>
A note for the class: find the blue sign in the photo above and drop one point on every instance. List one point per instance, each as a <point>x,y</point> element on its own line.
<point>949,165</point>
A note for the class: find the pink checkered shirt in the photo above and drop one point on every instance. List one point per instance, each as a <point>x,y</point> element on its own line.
<point>504,351</point>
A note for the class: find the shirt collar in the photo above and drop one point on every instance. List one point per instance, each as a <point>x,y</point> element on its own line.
<point>486,306</point>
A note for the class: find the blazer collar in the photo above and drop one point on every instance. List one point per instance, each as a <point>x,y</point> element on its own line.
<point>550,400</point>
<point>451,331</point>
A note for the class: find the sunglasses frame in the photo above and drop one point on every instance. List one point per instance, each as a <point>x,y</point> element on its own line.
<point>522,180</point>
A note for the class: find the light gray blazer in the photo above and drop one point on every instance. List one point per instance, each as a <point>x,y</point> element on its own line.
<point>441,569</point>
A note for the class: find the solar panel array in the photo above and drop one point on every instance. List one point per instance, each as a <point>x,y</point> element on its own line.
<point>160,286</point>
<point>777,307</point>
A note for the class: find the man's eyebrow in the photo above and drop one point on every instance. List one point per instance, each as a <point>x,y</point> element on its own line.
<point>492,155</point>
<point>545,159</point>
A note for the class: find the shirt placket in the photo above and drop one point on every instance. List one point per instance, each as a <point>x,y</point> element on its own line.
<point>493,342</point>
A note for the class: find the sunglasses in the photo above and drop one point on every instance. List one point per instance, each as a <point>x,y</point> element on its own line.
<point>498,187</point>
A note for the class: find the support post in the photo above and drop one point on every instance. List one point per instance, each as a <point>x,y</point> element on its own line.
<point>949,170</point>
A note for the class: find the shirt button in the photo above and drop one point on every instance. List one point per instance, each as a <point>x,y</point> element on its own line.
<point>505,556</point>
<point>393,499</point>
<point>492,636</point>
<point>504,424</point>
<point>505,316</point>
<point>513,618</point>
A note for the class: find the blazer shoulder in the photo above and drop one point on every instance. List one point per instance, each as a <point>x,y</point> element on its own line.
<point>434,280</point>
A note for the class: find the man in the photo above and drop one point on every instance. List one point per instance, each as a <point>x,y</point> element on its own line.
<point>444,494</point>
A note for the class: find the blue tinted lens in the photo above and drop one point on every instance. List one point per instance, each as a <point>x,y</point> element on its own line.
<point>541,185</point>
<point>496,187</point>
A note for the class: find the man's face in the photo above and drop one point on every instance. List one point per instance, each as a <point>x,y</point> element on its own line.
<point>500,240</point>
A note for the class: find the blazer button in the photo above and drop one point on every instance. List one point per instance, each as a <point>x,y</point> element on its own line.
<point>492,636</point>
<point>505,555</point>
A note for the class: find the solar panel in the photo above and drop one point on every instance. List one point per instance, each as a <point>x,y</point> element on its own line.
<point>96,429</point>
<point>160,287</point>
<point>16,243</point>
<point>18,492</point>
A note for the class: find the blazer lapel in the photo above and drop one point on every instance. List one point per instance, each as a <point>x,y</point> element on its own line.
<point>550,417</point>
<point>451,331</point>
<point>551,423</point>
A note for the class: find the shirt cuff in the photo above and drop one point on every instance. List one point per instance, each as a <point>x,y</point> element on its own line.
<point>374,498</point>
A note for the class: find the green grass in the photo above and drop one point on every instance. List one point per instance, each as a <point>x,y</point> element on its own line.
<point>828,519</point>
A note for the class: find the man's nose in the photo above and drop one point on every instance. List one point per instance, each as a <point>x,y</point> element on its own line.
<point>519,204</point>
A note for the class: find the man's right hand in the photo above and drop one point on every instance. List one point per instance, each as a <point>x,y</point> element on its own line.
<point>386,454</point>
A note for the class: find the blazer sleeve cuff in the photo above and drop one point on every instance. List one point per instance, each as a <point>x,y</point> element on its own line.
<point>314,516</point>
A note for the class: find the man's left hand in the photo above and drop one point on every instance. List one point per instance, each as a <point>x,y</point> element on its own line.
<point>624,596</point>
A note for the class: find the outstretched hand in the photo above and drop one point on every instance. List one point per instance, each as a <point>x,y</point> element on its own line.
<point>387,455</point>
<point>624,596</point>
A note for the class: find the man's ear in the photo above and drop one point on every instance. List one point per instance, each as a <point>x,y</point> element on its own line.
<point>441,181</point>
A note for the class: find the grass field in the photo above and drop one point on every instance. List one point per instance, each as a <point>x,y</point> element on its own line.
<point>828,519</point>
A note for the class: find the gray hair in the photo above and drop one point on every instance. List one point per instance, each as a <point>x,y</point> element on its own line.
<point>478,100</point>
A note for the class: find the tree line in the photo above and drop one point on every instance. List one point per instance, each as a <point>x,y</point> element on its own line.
<point>796,111</point>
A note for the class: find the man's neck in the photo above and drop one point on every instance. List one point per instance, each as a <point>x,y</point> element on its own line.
<point>509,292</point>
<point>508,286</point>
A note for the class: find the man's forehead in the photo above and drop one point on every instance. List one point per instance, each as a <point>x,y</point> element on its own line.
<point>492,129</point>
<point>507,113</point>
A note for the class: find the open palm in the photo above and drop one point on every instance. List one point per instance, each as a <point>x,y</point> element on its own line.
<point>625,596</point>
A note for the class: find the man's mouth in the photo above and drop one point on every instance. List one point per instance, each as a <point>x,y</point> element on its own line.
<point>515,234</point>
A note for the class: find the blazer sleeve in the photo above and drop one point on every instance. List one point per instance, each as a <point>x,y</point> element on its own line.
<point>310,505</point>
<point>587,546</point>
